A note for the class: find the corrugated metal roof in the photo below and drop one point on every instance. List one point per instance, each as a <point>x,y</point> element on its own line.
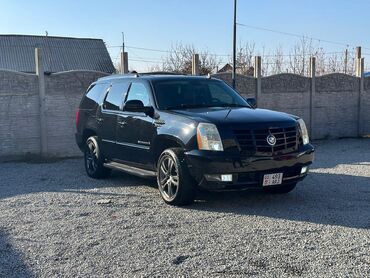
<point>17,52</point>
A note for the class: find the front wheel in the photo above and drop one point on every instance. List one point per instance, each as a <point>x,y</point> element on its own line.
<point>174,181</point>
<point>280,189</point>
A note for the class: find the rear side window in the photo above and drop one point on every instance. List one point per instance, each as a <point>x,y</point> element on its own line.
<point>94,96</point>
<point>115,96</point>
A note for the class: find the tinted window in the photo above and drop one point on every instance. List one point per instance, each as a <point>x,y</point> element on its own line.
<point>190,93</point>
<point>138,91</point>
<point>94,95</point>
<point>115,96</point>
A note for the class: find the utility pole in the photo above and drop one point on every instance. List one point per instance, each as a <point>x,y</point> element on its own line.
<point>345,61</point>
<point>234,46</point>
<point>123,42</point>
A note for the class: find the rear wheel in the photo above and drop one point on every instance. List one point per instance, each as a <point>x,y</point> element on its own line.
<point>280,189</point>
<point>174,181</point>
<point>94,160</point>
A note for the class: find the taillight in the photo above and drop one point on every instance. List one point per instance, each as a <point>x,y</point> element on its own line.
<point>77,117</point>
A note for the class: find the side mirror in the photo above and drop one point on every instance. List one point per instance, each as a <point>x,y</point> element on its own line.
<point>252,102</point>
<point>136,105</point>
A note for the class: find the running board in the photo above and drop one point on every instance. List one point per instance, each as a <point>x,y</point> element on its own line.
<point>130,169</point>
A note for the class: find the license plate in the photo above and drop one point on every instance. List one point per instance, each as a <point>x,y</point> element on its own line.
<point>272,179</point>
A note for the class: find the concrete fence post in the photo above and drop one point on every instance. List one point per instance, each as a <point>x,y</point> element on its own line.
<point>124,62</point>
<point>195,64</point>
<point>360,93</point>
<point>258,75</point>
<point>358,61</point>
<point>42,107</point>
<point>312,91</point>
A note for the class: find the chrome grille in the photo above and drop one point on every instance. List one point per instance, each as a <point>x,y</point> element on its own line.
<point>254,141</point>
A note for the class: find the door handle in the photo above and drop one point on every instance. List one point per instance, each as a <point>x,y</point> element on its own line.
<point>122,123</point>
<point>99,120</point>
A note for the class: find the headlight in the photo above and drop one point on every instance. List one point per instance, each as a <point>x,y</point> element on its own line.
<point>303,130</point>
<point>208,137</point>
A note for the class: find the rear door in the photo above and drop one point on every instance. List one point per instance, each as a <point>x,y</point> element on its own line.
<point>108,117</point>
<point>135,131</point>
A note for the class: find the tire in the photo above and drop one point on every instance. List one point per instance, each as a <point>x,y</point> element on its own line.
<point>175,184</point>
<point>94,159</point>
<point>280,189</point>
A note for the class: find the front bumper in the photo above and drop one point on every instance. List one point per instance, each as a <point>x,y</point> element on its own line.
<point>247,172</point>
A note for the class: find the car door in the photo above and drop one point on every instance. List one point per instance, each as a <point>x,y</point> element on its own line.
<point>109,110</point>
<point>136,130</point>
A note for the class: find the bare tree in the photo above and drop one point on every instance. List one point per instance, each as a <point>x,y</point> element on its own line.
<point>244,57</point>
<point>320,61</point>
<point>155,68</point>
<point>334,63</point>
<point>179,60</point>
<point>277,61</point>
<point>299,56</point>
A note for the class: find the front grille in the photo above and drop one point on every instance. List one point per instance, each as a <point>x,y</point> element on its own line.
<point>254,141</point>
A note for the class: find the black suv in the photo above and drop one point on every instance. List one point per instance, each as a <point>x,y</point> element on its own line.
<point>189,132</point>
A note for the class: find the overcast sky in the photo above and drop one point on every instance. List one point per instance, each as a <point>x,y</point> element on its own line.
<point>207,24</point>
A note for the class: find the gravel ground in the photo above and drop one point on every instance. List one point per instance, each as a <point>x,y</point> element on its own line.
<point>52,224</point>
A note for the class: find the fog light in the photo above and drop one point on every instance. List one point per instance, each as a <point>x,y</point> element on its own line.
<point>304,170</point>
<point>227,177</point>
<point>223,178</point>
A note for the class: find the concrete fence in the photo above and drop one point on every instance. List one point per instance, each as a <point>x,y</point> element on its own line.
<point>333,106</point>
<point>37,111</point>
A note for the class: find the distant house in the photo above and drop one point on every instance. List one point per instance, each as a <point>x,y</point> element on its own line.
<point>17,52</point>
<point>226,68</point>
<point>229,68</point>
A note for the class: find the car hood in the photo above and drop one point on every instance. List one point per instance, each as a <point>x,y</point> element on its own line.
<point>238,116</point>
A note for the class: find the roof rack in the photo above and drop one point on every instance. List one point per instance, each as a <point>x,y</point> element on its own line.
<point>160,73</point>
<point>136,74</point>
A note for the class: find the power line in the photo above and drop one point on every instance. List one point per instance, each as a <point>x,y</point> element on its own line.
<point>146,61</point>
<point>222,55</point>
<point>160,50</point>
<point>296,35</point>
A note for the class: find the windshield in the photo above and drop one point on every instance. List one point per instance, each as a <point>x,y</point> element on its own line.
<point>183,94</point>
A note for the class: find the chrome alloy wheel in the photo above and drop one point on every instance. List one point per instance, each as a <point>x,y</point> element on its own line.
<point>168,179</point>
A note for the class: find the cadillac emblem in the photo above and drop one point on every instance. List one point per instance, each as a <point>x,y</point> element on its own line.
<point>271,140</point>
